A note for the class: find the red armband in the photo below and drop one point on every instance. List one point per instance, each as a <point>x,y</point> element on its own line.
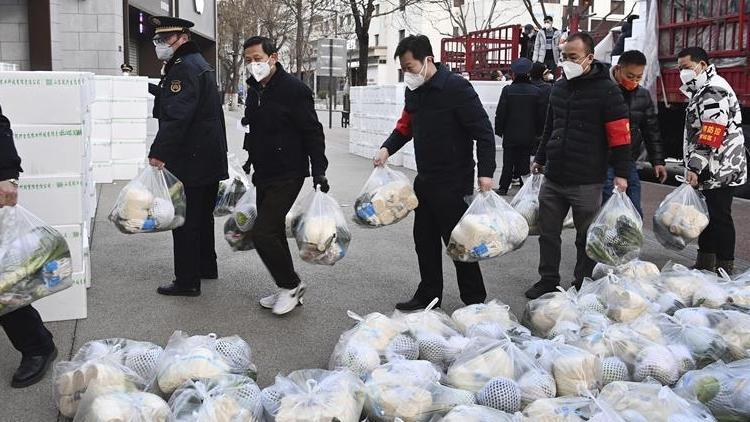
<point>712,135</point>
<point>618,132</point>
<point>403,126</point>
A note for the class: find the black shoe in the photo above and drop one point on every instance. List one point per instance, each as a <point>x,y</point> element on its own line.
<point>539,289</point>
<point>414,304</point>
<point>173,289</point>
<point>501,192</point>
<point>32,369</point>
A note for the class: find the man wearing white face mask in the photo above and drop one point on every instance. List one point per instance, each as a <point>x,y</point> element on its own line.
<point>191,143</point>
<point>587,130</point>
<point>714,153</point>
<point>285,142</point>
<point>445,117</point>
<point>547,45</point>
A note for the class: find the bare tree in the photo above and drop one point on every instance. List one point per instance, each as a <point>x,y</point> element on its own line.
<point>236,19</point>
<point>529,4</point>
<point>305,13</point>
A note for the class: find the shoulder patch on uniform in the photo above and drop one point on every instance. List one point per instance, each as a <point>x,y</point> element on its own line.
<point>175,86</point>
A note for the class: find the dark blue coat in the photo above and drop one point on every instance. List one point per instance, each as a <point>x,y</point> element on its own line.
<point>519,118</point>
<point>192,137</point>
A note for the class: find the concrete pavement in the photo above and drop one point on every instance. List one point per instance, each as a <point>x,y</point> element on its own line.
<point>380,270</point>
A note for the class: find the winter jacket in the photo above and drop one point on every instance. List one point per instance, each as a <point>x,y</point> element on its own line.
<point>520,114</point>
<point>546,89</point>
<point>10,163</point>
<point>527,44</point>
<point>285,136</point>
<point>445,116</point>
<point>587,126</point>
<point>540,45</point>
<point>714,145</point>
<point>192,138</point>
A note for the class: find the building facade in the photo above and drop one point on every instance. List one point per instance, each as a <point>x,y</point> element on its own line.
<point>95,35</point>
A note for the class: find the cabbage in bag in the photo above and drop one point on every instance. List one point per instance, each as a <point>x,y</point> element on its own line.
<point>723,388</point>
<point>489,228</point>
<point>35,260</point>
<point>228,398</point>
<point>386,198</point>
<point>231,189</point>
<point>615,237</point>
<point>321,233</point>
<point>680,218</point>
<point>152,202</point>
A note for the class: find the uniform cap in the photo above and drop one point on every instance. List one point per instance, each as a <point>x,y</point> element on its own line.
<point>164,24</point>
<point>521,66</point>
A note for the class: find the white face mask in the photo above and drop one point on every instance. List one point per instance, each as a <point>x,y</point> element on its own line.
<point>259,70</point>
<point>547,25</point>
<point>572,70</point>
<point>415,80</point>
<point>164,52</point>
<point>687,75</point>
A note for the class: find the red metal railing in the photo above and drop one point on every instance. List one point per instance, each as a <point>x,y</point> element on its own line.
<point>481,52</point>
<point>721,27</point>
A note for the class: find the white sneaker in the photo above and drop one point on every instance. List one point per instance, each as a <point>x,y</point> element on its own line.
<point>287,299</point>
<point>270,300</point>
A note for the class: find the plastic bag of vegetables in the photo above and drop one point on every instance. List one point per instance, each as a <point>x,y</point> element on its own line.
<point>526,202</point>
<point>615,237</point>
<point>624,300</point>
<point>574,369</point>
<point>681,217</point>
<point>153,201</point>
<point>641,401</point>
<point>492,319</point>
<point>693,287</point>
<point>476,413</point>
<point>34,259</point>
<point>723,388</point>
<point>238,228</point>
<point>489,228</point>
<point>116,365</point>
<point>321,233</point>
<point>561,409</point>
<point>312,395</point>
<point>386,198</point>
<point>704,344</point>
<point>196,357</point>
<point>231,189</point>
<point>543,314</point>
<point>228,398</point>
<point>295,215</point>
<point>109,404</point>
<point>637,270</point>
<point>374,339</point>
<point>732,326</point>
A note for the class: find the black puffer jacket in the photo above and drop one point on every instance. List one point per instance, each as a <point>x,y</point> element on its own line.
<point>644,125</point>
<point>10,163</point>
<point>587,126</point>
<point>285,136</point>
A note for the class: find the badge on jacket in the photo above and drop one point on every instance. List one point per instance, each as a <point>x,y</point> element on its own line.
<point>175,86</point>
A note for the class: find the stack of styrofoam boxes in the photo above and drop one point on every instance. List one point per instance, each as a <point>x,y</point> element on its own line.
<point>51,120</point>
<point>152,124</point>
<point>101,129</point>
<point>129,114</point>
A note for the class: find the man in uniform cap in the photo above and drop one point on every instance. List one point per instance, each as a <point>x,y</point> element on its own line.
<point>191,143</point>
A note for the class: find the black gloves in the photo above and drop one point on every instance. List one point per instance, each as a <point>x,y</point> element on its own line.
<point>244,121</point>
<point>321,181</point>
<point>247,166</point>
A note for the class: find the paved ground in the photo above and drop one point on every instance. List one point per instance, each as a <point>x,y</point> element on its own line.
<point>380,270</point>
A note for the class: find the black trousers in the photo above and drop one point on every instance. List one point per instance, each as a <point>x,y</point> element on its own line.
<point>194,245</point>
<point>26,332</point>
<point>440,208</point>
<point>719,235</point>
<point>554,202</point>
<point>516,163</point>
<point>269,232</point>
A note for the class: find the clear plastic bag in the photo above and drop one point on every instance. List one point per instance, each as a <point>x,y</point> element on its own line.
<point>386,198</point>
<point>35,260</point>
<point>116,365</point>
<point>574,369</point>
<point>153,201</point>
<point>623,300</point>
<point>526,202</point>
<point>615,237</point>
<point>561,409</point>
<point>476,413</point>
<point>322,233</point>
<point>238,228</point>
<point>312,395</point>
<point>680,218</point>
<point>732,326</point>
<point>640,401</point>
<point>693,287</point>
<point>294,215</point>
<point>723,388</point>
<point>489,228</point>
<point>371,341</point>
<point>637,270</point>
<point>493,320</point>
<point>543,314</point>
<point>704,344</point>
<point>195,357</point>
<point>108,404</point>
<point>480,361</point>
<point>229,398</point>
<point>231,189</point>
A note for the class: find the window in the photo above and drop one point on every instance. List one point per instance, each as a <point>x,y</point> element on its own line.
<point>400,75</point>
<point>401,34</point>
<point>377,40</point>
<point>383,61</point>
<point>617,7</point>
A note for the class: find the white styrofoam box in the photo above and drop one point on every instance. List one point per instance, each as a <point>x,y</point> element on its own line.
<point>101,151</point>
<point>50,149</point>
<point>129,108</point>
<point>103,86</point>
<point>101,109</point>
<point>489,91</point>
<point>87,254</point>
<point>128,149</point>
<point>127,169</point>
<point>67,304</point>
<point>129,128</point>
<point>56,199</point>
<point>73,235</point>
<point>129,87</point>
<point>46,97</point>
<point>103,172</point>
<point>101,130</point>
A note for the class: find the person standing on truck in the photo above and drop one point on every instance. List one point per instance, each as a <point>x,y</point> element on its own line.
<point>528,38</point>
<point>547,45</point>
<point>587,128</point>
<point>713,152</point>
<point>644,124</point>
